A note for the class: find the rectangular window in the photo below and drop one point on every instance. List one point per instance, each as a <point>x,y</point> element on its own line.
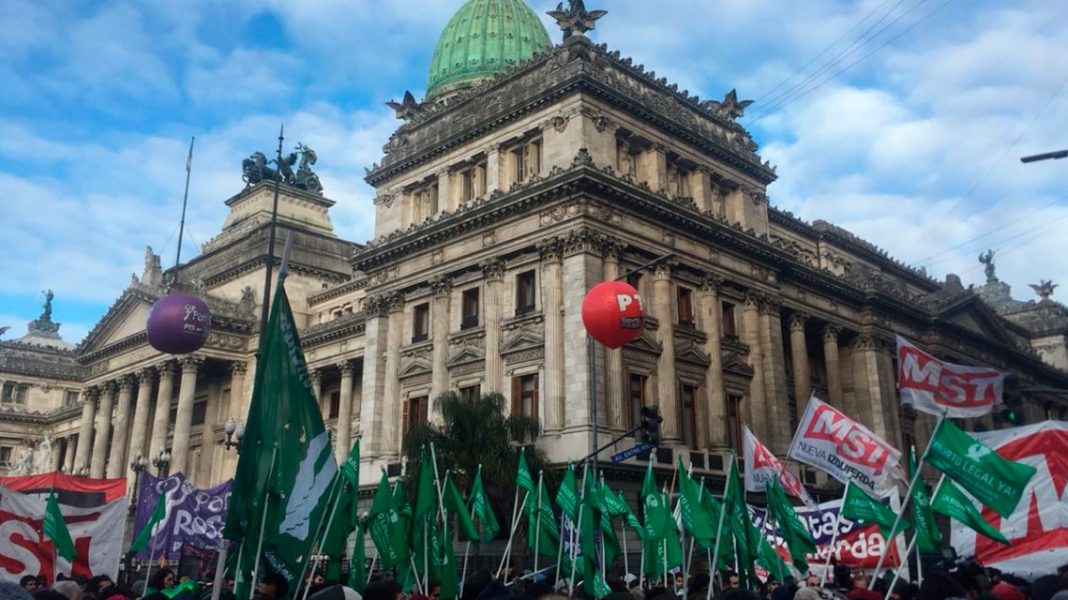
<point>685,307</point>
<point>5,455</point>
<point>200,411</point>
<point>415,413</point>
<point>72,399</point>
<point>469,309</point>
<point>525,395</point>
<point>728,321</point>
<point>470,393</point>
<point>636,394</point>
<point>524,293</point>
<point>20,394</point>
<point>467,185</point>
<point>420,322</point>
<point>8,394</point>
<point>635,281</point>
<point>335,404</point>
<point>688,414</point>
<point>734,420</point>
<point>526,161</point>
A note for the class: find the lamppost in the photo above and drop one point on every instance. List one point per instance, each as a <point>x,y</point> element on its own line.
<point>235,432</point>
<point>162,462</point>
<point>1058,154</point>
<point>137,465</point>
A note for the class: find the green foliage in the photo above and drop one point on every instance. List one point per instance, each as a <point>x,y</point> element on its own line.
<point>472,433</point>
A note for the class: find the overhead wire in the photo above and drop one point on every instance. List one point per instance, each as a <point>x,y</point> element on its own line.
<point>1001,227</point>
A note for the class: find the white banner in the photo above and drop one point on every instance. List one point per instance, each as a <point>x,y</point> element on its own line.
<point>848,451</point>
<point>762,466</point>
<point>24,549</point>
<point>933,386</point>
<point>1038,528</point>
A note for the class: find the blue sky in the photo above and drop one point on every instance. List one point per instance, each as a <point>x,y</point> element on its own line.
<point>900,120</point>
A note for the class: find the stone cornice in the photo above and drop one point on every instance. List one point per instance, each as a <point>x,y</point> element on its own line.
<point>338,291</point>
<point>35,418</point>
<point>350,325</point>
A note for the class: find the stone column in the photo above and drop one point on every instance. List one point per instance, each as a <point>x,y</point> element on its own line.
<point>869,389</point>
<point>552,302</point>
<point>236,404</point>
<point>103,431</point>
<point>85,428</point>
<point>317,389</point>
<point>183,419</point>
<point>834,369</point>
<point>799,359</point>
<point>391,431</point>
<point>667,382</point>
<point>68,458</point>
<point>756,410</point>
<point>493,272</point>
<point>493,170</point>
<point>372,398</point>
<point>614,391</point>
<point>717,397</point>
<point>161,418</point>
<point>775,375</point>
<point>117,456</point>
<point>445,194</point>
<point>139,428</point>
<point>344,413</point>
<point>57,458</point>
<point>439,318</point>
<point>887,379</point>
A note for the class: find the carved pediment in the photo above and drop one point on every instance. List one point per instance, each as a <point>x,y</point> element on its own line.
<point>686,350</point>
<point>126,318</point>
<point>973,315</point>
<point>645,343</point>
<point>735,363</point>
<point>466,355</point>
<point>522,340</point>
<point>415,367</point>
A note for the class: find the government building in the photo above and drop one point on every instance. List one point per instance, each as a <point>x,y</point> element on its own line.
<point>531,171</point>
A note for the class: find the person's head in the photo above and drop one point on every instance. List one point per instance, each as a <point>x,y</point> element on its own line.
<point>860,581</point>
<point>28,583</point>
<point>42,581</point>
<point>100,583</point>
<point>733,580</point>
<point>70,589</point>
<point>385,589</point>
<point>318,579</point>
<point>162,579</point>
<point>813,581</point>
<point>228,583</point>
<point>273,585</point>
<point>434,589</point>
<point>807,593</point>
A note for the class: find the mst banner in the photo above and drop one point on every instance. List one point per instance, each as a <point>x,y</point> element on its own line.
<point>1038,529</point>
<point>933,386</point>
<point>24,549</point>
<point>194,516</point>
<point>848,451</point>
<point>762,466</point>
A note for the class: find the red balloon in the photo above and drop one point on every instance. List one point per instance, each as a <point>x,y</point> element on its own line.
<point>613,313</point>
<point>178,324</point>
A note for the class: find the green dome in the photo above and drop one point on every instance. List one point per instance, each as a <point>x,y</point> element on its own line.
<point>483,38</point>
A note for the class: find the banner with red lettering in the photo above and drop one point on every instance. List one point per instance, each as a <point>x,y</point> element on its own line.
<point>75,491</point>
<point>761,466</point>
<point>1038,528</point>
<point>846,450</point>
<point>25,550</point>
<point>934,386</point>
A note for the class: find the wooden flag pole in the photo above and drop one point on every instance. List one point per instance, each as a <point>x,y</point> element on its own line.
<point>905,502</point>
<point>834,536</point>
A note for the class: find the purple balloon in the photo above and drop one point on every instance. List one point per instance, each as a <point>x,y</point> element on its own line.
<point>178,324</point>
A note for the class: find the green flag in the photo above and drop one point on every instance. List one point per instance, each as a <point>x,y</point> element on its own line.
<point>714,508</point>
<point>358,561</point>
<point>929,538</point>
<point>522,474</point>
<point>657,517</point>
<point>694,518</point>
<point>952,502</point>
<point>542,533</point>
<point>798,540</point>
<point>141,541</point>
<point>286,464</point>
<point>746,536</point>
<point>482,509</point>
<point>995,481</point>
<point>770,559</point>
<point>859,506</point>
<point>344,506</point>
<point>567,496</point>
<point>350,469</point>
<point>425,495</point>
<point>454,502</point>
<point>56,529</point>
<point>387,527</point>
<point>444,562</point>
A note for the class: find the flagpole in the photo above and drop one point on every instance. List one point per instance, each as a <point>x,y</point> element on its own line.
<point>537,524</point>
<point>319,546</point>
<point>582,499</point>
<point>905,502</point>
<point>463,575</point>
<point>626,558</point>
<point>508,548</point>
<point>908,550</point>
<point>719,527</point>
<point>263,519</point>
<point>834,536</point>
<point>317,539</point>
<point>560,553</point>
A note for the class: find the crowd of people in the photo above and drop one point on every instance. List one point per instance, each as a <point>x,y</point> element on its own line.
<point>968,581</point>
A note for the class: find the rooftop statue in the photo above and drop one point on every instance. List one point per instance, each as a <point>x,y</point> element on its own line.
<point>406,108</point>
<point>576,20</point>
<point>987,259</point>
<point>1044,288</point>
<point>731,108</point>
<point>47,314</point>
<point>255,169</point>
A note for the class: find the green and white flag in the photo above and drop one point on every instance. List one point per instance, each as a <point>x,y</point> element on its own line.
<point>286,464</point>
<point>388,528</point>
<point>523,480</point>
<point>158,513</point>
<point>567,496</point>
<point>454,503</point>
<point>770,559</point>
<point>995,481</point>
<point>859,506</point>
<point>694,518</point>
<point>482,509</point>
<point>797,537</point>
<point>929,538</point>
<point>952,502</point>
<point>746,536</point>
<point>56,529</point>
<point>358,561</point>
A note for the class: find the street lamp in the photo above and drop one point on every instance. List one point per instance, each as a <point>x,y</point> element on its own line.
<point>137,465</point>
<point>162,462</point>
<point>1045,156</point>
<point>235,432</point>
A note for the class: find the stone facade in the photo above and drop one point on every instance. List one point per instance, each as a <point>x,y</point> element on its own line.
<point>495,211</point>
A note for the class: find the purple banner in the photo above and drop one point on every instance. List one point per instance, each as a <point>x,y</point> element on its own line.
<point>194,516</point>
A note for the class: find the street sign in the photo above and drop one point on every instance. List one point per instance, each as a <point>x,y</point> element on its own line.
<point>635,451</point>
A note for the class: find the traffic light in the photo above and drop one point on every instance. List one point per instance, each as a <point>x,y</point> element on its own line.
<point>651,421</point>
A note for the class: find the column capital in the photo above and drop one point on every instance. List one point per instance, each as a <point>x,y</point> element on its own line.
<point>830,333</point>
<point>110,387</point>
<point>865,341</point>
<point>376,306</point>
<point>316,375</point>
<point>770,305</point>
<point>551,250</point>
<point>752,300</point>
<point>345,367</point>
<point>91,393</point>
<point>664,269</point>
<point>190,363</point>
<point>493,269</point>
<point>126,382</point>
<point>611,247</point>
<point>710,283</point>
<point>238,367</point>
<point>797,321</point>
<point>441,286</point>
<point>166,369</point>
<point>146,375</point>
<point>396,302</point>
